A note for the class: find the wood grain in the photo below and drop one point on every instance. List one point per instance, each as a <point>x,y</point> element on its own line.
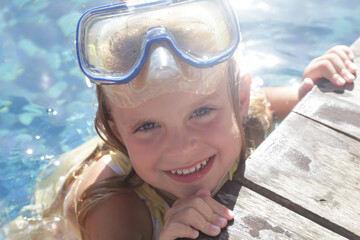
<point>332,112</point>
<point>336,107</point>
<point>303,182</point>
<point>316,168</point>
<point>257,217</point>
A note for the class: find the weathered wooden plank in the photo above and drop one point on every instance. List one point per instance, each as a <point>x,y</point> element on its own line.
<point>355,47</point>
<point>349,93</point>
<point>256,217</point>
<point>336,107</point>
<point>307,167</point>
<point>312,166</point>
<point>329,110</point>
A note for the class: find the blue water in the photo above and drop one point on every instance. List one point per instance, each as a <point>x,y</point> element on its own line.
<point>46,108</point>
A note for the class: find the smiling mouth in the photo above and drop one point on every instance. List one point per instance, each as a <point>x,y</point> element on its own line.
<point>191,170</point>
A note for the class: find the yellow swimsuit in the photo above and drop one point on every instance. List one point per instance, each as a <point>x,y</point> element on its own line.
<point>157,206</point>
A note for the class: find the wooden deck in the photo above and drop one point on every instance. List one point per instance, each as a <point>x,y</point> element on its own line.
<point>303,182</point>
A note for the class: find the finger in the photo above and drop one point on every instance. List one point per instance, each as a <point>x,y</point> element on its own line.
<point>332,68</point>
<point>342,49</point>
<point>196,220</point>
<point>204,191</point>
<point>335,60</point>
<point>202,207</point>
<point>348,76</point>
<point>324,68</point>
<point>178,230</point>
<point>306,85</point>
<point>350,66</point>
<point>339,66</point>
<point>197,202</point>
<point>219,208</point>
<point>218,220</point>
<point>346,55</point>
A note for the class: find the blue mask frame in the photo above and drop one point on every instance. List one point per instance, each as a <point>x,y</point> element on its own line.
<point>151,35</point>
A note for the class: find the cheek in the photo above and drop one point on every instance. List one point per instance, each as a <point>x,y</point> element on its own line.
<point>223,128</point>
<point>226,136</point>
<point>142,154</point>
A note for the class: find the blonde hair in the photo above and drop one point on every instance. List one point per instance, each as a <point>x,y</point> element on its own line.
<point>252,133</point>
<point>90,198</point>
<point>47,211</point>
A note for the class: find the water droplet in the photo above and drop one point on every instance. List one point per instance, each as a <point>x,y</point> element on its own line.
<point>51,111</point>
<point>29,151</point>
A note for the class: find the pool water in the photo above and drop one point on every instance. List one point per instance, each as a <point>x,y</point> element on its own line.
<point>46,108</point>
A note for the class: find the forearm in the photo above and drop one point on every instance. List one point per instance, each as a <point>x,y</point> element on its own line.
<point>282,99</point>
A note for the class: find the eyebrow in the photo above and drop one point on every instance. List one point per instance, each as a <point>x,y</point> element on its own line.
<point>206,98</point>
<point>197,103</point>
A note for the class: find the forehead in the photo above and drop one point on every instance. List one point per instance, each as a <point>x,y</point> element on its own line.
<point>191,80</point>
<point>161,107</point>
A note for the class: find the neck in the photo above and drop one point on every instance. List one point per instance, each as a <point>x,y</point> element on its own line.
<point>168,197</point>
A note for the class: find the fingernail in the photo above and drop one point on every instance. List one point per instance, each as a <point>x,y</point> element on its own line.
<point>347,75</point>
<point>195,233</point>
<point>221,221</point>
<point>203,191</point>
<point>350,76</point>
<point>339,79</point>
<point>351,55</point>
<point>231,213</point>
<point>215,229</point>
<point>353,66</point>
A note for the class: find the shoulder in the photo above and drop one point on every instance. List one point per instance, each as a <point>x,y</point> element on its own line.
<point>122,216</point>
<point>95,172</point>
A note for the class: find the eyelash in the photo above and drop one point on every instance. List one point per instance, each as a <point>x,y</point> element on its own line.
<point>201,112</point>
<point>146,127</point>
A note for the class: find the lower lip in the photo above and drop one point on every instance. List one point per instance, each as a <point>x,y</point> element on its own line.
<point>195,176</point>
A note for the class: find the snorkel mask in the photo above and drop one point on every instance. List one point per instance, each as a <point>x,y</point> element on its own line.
<point>143,48</point>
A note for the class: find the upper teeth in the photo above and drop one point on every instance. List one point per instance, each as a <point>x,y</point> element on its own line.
<point>190,170</point>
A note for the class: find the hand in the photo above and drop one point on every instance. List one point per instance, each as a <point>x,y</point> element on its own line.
<point>336,65</point>
<point>196,213</point>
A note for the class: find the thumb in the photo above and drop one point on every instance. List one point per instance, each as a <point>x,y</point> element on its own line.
<point>203,191</point>
<point>305,86</point>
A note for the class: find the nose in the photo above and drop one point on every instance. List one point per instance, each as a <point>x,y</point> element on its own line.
<point>180,143</point>
<point>162,64</point>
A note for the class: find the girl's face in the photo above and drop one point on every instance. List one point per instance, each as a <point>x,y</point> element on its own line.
<point>181,142</point>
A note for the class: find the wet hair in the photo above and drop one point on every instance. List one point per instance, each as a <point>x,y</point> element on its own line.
<point>101,190</point>
<point>51,193</point>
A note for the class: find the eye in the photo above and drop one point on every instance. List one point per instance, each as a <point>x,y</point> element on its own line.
<point>201,112</point>
<point>146,127</point>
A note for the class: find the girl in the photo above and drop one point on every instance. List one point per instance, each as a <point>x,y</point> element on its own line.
<point>175,120</point>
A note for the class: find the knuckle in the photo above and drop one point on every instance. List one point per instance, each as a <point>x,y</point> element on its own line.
<point>177,202</point>
<point>197,202</point>
<point>338,48</point>
<point>325,64</point>
<point>332,55</point>
<point>189,212</point>
<point>168,215</point>
<point>223,209</point>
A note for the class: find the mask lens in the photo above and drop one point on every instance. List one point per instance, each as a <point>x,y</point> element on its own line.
<point>113,42</point>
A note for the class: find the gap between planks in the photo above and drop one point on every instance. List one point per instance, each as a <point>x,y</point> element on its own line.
<point>295,208</point>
